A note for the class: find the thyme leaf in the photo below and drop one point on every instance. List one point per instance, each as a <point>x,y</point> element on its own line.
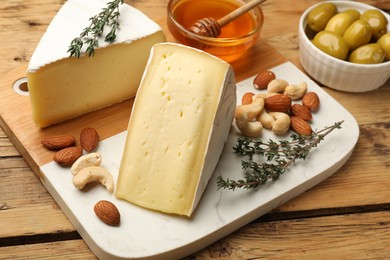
<point>109,16</point>
<point>279,156</point>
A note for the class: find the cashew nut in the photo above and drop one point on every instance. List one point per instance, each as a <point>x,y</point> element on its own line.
<point>90,159</point>
<point>246,115</point>
<point>266,119</point>
<point>264,95</point>
<point>281,124</point>
<point>249,129</point>
<point>296,92</point>
<point>277,85</point>
<point>92,174</point>
<point>250,111</point>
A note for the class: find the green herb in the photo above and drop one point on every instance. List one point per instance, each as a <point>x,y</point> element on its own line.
<point>279,156</point>
<point>107,17</point>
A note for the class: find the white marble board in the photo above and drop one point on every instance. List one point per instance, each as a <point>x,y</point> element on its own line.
<point>145,234</point>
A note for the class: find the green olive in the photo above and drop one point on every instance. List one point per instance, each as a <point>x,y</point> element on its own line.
<point>357,34</point>
<point>371,53</point>
<point>384,41</point>
<point>332,44</point>
<point>339,23</point>
<point>320,15</point>
<point>377,21</point>
<point>354,13</point>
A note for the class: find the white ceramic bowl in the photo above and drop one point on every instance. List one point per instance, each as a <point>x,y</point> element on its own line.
<point>338,74</point>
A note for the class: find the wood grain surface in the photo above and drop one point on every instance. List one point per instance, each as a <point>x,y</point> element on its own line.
<point>345,217</point>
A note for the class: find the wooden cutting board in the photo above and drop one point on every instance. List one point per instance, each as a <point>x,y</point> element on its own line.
<point>16,118</point>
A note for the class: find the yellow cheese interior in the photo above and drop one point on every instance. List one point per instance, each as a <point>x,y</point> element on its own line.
<point>169,129</point>
<point>70,87</point>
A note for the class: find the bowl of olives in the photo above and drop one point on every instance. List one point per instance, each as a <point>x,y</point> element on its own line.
<point>345,45</point>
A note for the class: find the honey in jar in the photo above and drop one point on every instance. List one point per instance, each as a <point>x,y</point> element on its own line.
<point>235,38</point>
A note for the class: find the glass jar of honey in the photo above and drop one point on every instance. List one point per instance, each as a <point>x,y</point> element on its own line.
<point>235,38</point>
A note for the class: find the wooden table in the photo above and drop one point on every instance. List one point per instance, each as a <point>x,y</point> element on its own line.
<point>347,216</point>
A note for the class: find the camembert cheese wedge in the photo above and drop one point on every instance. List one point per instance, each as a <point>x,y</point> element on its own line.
<point>61,87</point>
<point>178,127</point>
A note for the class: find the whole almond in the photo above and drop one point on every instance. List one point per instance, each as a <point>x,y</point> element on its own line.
<point>89,139</point>
<point>247,98</point>
<point>57,142</point>
<point>67,156</point>
<point>262,79</point>
<point>300,126</point>
<point>311,101</point>
<point>301,111</point>
<point>107,212</point>
<point>278,103</point>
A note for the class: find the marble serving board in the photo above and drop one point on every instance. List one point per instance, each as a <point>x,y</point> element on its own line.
<point>145,234</point>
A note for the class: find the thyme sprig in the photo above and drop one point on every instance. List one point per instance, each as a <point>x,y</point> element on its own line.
<point>278,157</point>
<point>109,16</point>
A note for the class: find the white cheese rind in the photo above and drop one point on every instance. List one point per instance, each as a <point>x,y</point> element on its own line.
<point>181,118</point>
<point>71,20</point>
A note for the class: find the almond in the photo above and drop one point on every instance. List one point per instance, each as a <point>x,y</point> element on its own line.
<point>278,103</point>
<point>247,98</point>
<point>58,142</point>
<point>262,79</point>
<point>67,156</point>
<point>311,101</point>
<point>89,139</point>
<point>300,126</point>
<point>301,111</point>
<point>107,212</point>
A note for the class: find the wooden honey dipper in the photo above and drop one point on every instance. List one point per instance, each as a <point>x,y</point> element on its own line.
<point>210,27</point>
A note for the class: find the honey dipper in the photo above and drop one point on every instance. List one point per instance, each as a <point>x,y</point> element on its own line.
<point>210,27</point>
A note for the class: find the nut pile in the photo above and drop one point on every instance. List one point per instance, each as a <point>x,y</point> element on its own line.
<point>85,168</point>
<point>65,145</point>
<point>274,109</point>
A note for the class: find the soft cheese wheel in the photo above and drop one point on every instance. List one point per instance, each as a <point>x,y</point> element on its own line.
<point>178,127</point>
<point>62,87</point>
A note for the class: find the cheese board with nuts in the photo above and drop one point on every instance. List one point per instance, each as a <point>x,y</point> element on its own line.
<point>144,234</point>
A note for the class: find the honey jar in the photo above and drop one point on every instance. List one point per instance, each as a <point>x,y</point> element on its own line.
<point>235,38</point>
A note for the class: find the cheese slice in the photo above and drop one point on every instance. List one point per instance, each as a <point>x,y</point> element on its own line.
<point>178,127</point>
<point>61,87</point>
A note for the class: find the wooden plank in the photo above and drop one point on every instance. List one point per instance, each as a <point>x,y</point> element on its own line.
<point>364,179</point>
<point>367,108</point>
<point>26,208</point>
<point>360,236</point>
<point>71,249</point>
<point>6,146</point>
